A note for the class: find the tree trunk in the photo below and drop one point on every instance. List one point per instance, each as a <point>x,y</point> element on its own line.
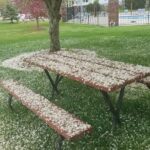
<point>11,20</point>
<point>54,18</point>
<point>37,23</point>
<point>54,34</point>
<point>113,13</point>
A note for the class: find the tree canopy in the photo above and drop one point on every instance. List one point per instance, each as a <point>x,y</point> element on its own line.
<point>93,7</point>
<point>36,8</point>
<point>136,4</point>
<point>53,9</point>
<point>2,3</point>
<point>10,12</point>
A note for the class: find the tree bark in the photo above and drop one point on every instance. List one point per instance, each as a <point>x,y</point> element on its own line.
<point>113,13</point>
<point>37,23</point>
<point>53,7</point>
<point>54,34</point>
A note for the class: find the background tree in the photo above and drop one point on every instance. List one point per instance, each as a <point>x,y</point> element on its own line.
<point>10,12</point>
<point>113,12</point>
<point>36,8</point>
<point>53,7</point>
<point>89,8</point>
<point>93,8</point>
<point>2,4</point>
<point>147,5</point>
<point>135,4</point>
<point>96,7</point>
<point>64,11</point>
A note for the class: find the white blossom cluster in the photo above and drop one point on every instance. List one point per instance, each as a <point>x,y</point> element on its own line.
<point>56,117</point>
<point>18,63</point>
<point>97,72</point>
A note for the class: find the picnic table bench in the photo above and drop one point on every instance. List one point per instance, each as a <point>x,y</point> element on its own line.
<point>146,81</point>
<point>65,124</point>
<point>100,73</point>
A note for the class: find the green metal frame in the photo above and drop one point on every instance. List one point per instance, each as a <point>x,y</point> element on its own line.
<point>114,109</point>
<point>54,83</point>
<point>10,101</point>
<point>59,143</point>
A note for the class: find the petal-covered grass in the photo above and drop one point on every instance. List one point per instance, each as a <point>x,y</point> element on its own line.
<point>22,130</point>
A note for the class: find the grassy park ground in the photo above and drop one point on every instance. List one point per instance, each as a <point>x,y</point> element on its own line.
<point>21,130</point>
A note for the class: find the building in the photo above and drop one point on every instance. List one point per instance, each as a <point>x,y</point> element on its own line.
<point>86,2</point>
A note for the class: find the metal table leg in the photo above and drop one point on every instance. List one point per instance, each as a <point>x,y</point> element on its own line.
<point>10,101</point>
<point>54,83</point>
<point>59,142</point>
<point>115,109</point>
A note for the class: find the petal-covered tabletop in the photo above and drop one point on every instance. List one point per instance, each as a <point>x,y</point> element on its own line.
<point>100,73</point>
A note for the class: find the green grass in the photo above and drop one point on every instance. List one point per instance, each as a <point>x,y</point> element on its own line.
<point>22,130</point>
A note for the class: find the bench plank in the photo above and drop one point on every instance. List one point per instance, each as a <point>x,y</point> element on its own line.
<point>146,81</point>
<point>57,118</point>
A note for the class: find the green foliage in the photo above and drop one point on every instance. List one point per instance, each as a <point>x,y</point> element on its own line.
<point>94,7</point>
<point>147,5</point>
<point>10,12</point>
<point>2,4</point>
<point>89,8</point>
<point>136,4</point>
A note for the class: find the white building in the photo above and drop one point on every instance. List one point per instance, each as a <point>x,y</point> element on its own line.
<point>86,2</point>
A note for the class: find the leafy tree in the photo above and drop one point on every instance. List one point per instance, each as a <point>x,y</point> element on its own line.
<point>89,8</point>
<point>2,4</point>
<point>10,12</point>
<point>53,7</point>
<point>135,4</point>
<point>96,7</point>
<point>93,7</point>
<point>36,8</point>
<point>64,11</point>
<point>147,4</point>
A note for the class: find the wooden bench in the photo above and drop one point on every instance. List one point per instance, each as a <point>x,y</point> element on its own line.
<point>146,81</point>
<point>66,125</point>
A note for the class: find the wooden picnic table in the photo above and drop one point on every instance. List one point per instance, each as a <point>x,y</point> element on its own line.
<point>99,73</point>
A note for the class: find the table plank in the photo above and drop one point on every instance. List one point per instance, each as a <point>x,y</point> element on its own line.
<point>99,73</point>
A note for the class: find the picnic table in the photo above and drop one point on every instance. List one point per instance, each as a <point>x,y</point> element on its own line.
<point>100,73</point>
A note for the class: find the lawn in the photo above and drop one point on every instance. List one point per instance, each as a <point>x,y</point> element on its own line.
<point>22,130</point>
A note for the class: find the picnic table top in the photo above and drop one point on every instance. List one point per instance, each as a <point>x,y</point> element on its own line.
<point>100,73</point>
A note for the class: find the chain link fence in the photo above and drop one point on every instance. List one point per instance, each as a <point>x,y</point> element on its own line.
<point>108,14</point>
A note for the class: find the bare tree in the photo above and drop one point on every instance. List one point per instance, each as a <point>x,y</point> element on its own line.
<point>53,7</point>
